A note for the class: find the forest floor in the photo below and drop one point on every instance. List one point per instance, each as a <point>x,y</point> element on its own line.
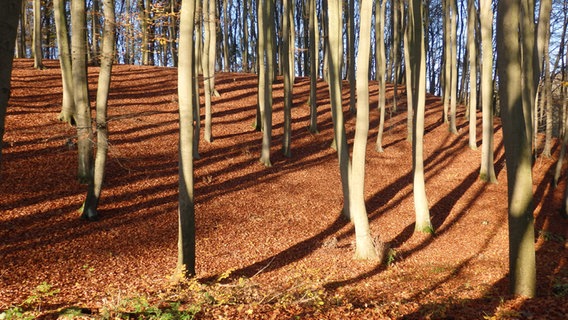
<point>271,243</point>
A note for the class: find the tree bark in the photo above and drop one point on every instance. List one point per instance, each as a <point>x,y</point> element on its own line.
<point>335,55</point>
<point>288,69</point>
<point>107,57</point>
<point>186,93</point>
<point>314,52</point>
<point>487,169</point>
<point>265,77</point>
<point>417,82</point>
<point>9,17</point>
<point>80,91</point>
<point>36,39</point>
<point>472,54</point>
<point>364,248</point>
<point>518,150</point>
<point>381,68</point>
<point>67,113</point>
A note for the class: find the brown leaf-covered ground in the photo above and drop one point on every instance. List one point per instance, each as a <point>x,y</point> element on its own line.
<point>271,243</point>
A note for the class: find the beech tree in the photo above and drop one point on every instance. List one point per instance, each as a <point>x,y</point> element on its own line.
<point>288,71</point>
<point>314,62</point>
<point>380,57</point>
<point>265,76</point>
<point>106,60</point>
<point>80,91</point>
<point>416,84</point>
<point>9,17</point>
<point>472,61</point>
<point>67,113</point>
<point>186,93</point>
<point>487,169</point>
<point>512,47</point>
<point>209,57</point>
<point>36,38</point>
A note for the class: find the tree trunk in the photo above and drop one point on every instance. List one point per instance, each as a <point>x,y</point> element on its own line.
<point>186,93</point>
<point>453,66</point>
<point>418,84</point>
<point>67,113</point>
<point>80,91</point>
<point>472,54</point>
<point>265,76</point>
<point>335,55</point>
<point>487,169</point>
<point>364,248</point>
<point>351,54</point>
<point>9,17</point>
<point>36,39</point>
<point>522,268</point>
<point>209,63</point>
<point>409,96</point>
<point>106,59</point>
<point>287,43</point>
<point>314,52</point>
<point>381,66</point>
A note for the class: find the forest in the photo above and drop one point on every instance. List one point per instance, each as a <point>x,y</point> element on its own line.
<point>283,159</point>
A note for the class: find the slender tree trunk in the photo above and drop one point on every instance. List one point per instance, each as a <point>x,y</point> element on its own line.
<point>418,84</point>
<point>351,54</point>
<point>226,63</point>
<point>67,113</point>
<point>265,79</point>
<point>9,16</point>
<point>381,66</point>
<point>80,91</point>
<point>186,93</point>
<point>364,249</point>
<point>529,62</point>
<point>209,63</point>
<point>107,58</point>
<point>453,66</point>
<point>396,29</point>
<point>487,169</point>
<point>288,84</point>
<point>518,148</point>
<point>472,54</point>
<point>314,52</point>
<point>172,33</point>
<point>335,55</point>
<point>409,96</point>
<point>36,39</point>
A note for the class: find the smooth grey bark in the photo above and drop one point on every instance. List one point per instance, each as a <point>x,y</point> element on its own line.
<point>417,82</point>
<point>472,54</point>
<point>36,36</point>
<point>335,55</point>
<point>9,17</point>
<point>265,77</point>
<point>209,56</point>
<point>380,55</point>
<point>186,92</point>
<point>409,96</point>
<point>487,169</point>
<point>351,54</point>
<point>453,66</point>
<point>288,70</point>
<point>364,246</point>
<point>314,54</point>
<point>80,91</point>
<point>518,149</point>
<point>67,113</point>
<point>106,60</point>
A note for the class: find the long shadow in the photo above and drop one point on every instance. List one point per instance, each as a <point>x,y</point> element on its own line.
<point>288,256</point>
